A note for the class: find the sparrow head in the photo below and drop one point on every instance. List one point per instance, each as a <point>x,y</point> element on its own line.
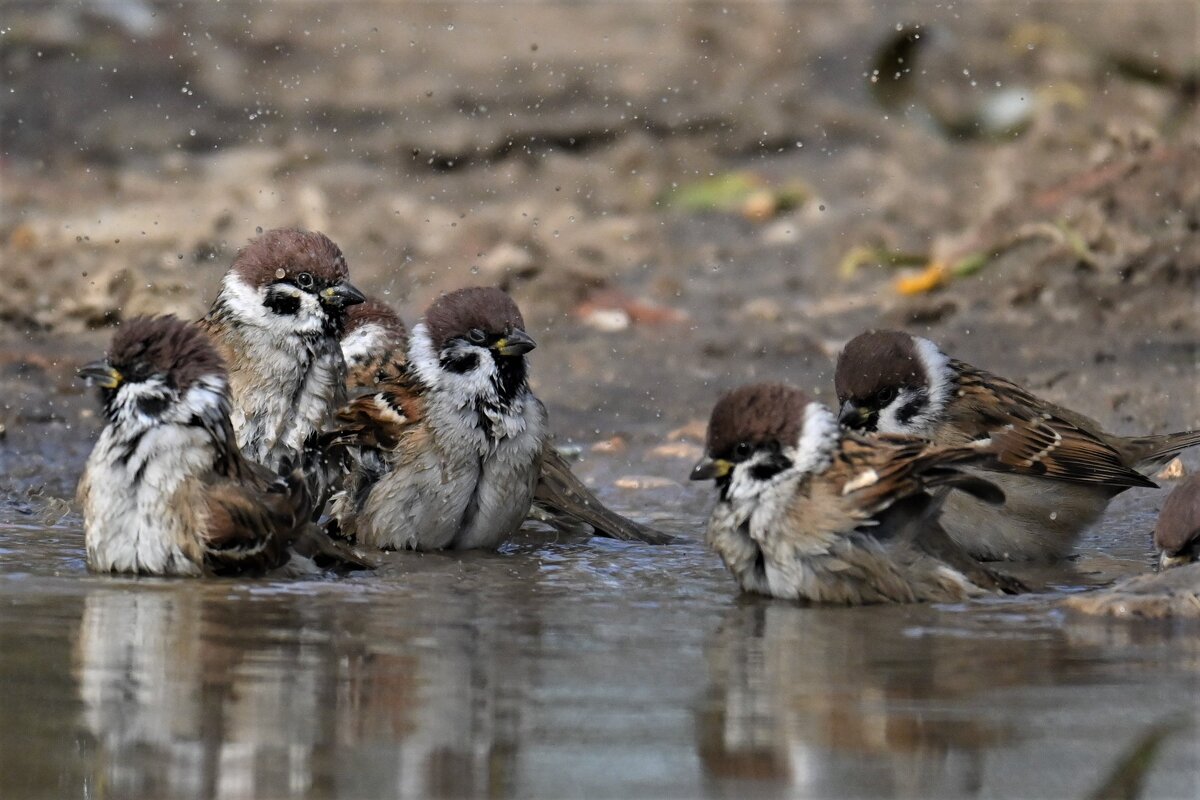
<point>377,318</point>
<point>159,369</point>
<point>892,382</point>
<point>373,343</point>
<point>290,281</point>
<point>473,340</point>
<point>759,432</point>
<point>1177,534</point>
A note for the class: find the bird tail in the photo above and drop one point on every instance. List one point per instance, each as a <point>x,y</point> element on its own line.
<point>1150,452</point>
<point>562,498</point>
<point>307,538</point>
<point>327,553</point>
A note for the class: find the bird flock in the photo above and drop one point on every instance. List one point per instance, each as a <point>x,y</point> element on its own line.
<point>301,425</point>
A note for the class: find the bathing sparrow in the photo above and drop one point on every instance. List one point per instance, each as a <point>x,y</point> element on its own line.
<point>277,322</point>
<point>373,345</point>
<point>446,454</point>
<point>809,511</point>
<point>1063,467</point>
<point>166,491</point>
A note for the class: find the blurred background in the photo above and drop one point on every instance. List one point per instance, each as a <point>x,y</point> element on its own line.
<point>722,185</point>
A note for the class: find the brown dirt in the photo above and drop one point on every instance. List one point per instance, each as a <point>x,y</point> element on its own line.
<point>537,147</point>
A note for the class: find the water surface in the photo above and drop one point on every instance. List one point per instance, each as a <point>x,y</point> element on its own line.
<point>563,669</point>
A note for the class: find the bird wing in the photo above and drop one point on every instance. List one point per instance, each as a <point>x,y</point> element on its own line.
<point>564,497</point>
<point>1034,437</point>
<point>381,420</point>
<point>872,473</point>
<point>381,366</point>
<point>249,529</point>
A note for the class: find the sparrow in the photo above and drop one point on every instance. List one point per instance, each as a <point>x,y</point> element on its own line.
<point>447,454</point>
<point>374,347</point>
<point>1061,468</point>
<point>809,511</point>
<point>373,344</point>
<point>278,321</point>
<point>1177,533</point>
<point>166,490</point>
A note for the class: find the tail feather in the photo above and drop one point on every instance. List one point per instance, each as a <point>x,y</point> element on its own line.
<point>327,553</point>
<point>1149,452</point>
<point>563,495</point>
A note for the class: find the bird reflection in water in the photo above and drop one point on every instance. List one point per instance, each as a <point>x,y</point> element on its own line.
<point>200,690</point>
<point>800,700</point>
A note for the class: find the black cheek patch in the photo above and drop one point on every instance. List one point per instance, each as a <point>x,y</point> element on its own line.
<point>769,468</point>
<point>152,406</point>
<point>460,362</point>
<point>284,304</point>
<point>906,412</point>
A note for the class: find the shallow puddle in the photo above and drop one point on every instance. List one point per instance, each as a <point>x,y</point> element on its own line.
<point>561,669</point>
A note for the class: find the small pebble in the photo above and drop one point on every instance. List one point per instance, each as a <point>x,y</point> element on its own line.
<point>643,482</point>
<point>683,450</point>
<point>1172,471</point>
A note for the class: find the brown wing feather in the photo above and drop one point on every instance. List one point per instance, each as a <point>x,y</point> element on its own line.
<point>561,493</point>
<point>1034,437</point>
<point>381,420</point>
<point>383,368</point>
<point>883,469</point>
<point>248,530</point>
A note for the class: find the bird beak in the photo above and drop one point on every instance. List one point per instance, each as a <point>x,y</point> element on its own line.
<point>1167,561</point>
<point>99,373</point>
<point>708,469</point>
<point>341,295</point>
<point>854,416</point>
<point>517,343</point>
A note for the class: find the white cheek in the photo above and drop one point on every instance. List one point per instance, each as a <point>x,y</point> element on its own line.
<point>127,407</point>
<point>742,483</point>
<point>311,315</point>
<point>470,385</point>
<point>474,383</point>
<point>358,344</point>
<point>247,304</point>
<point>890,423</point>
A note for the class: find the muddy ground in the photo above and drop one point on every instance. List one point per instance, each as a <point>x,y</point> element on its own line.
<point>682,197</point>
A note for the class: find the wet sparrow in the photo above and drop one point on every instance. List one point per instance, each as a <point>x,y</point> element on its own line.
<point>1177,534</point>
<point>166,490</point>
<point>277,321</point>
<point>808,511</point>
<point>373,345</point>
<point>448,452</point>
<point>1064,467</point>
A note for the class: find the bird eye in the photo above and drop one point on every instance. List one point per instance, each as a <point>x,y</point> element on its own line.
<point>304,280</point>
<point>886,396</point>
<point>477,336</point>
<point>741,451</point>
